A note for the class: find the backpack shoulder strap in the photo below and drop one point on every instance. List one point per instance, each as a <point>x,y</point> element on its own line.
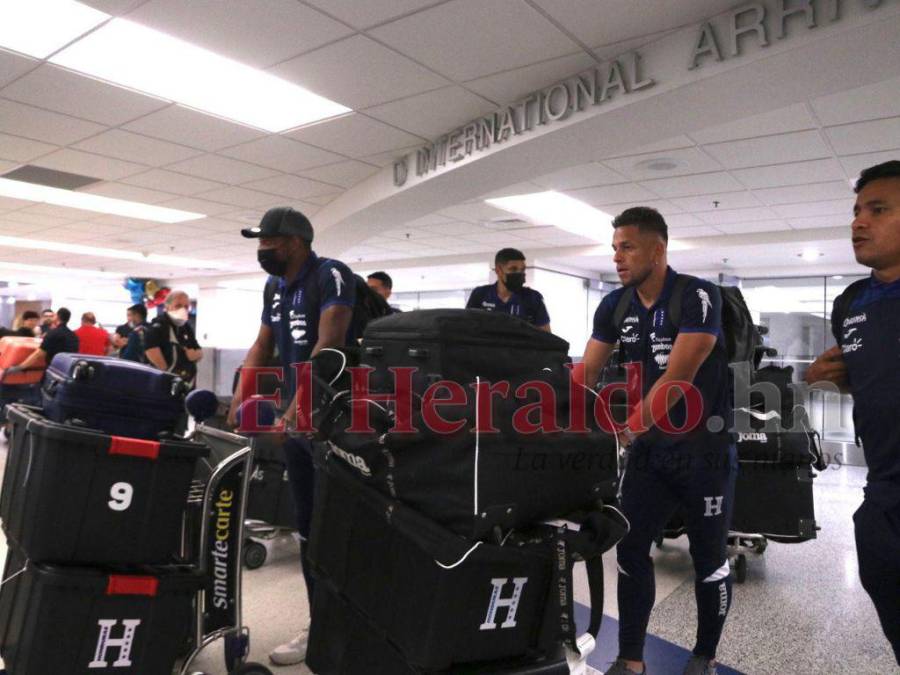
<point>622,307</point>
<point>842,304</point>
<point>675,300</point>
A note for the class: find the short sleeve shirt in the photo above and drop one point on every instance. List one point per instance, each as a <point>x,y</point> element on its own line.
<point>293,310</point>
<point>59,340</point>
<point>647,336</point>
<point>527,304</point>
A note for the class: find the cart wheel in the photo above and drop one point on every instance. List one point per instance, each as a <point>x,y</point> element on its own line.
<point>740,568</point>
<point>237,646</point>
<point>760,547</point>
<point>251,669</point>
<point>254,555</point>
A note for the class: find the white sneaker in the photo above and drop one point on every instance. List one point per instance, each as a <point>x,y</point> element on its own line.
<point>291,653</point>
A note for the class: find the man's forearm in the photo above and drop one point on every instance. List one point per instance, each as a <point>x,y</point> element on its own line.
<point>651,410</point>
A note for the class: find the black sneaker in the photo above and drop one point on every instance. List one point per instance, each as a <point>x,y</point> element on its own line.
<point>619,668</point>
<point>700,665</point>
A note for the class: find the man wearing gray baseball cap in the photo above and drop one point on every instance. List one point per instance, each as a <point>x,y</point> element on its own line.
<point>307,306</point>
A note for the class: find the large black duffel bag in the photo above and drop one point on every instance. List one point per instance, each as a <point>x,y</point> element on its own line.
<point>442,599</point>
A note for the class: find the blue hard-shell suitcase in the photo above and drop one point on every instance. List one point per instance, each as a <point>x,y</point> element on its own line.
<point>117,397</point>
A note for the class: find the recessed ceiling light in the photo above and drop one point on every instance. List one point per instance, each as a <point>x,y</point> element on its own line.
<point>40,27</point>
<point>810,254</point>
<point>117,254</point>
<point>32,192</point>
<point>137,57</point>
<point>838,277</point>
<point>660,164</point>
<point>556,208</point>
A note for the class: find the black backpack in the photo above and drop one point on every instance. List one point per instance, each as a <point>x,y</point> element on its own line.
<point>741,337</point>
<point>367,306</point>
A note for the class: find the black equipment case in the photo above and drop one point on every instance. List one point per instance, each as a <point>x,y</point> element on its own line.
<point>776,501</point>
<point>440,599</point>
<point>73,495</point>
<point>113,395</point>
<point>83,621</point>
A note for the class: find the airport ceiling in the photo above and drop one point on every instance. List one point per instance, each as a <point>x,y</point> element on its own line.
<point>410,71</point>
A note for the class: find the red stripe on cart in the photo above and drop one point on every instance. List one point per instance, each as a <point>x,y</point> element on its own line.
<point>122,585</point>
<point>133,447</point>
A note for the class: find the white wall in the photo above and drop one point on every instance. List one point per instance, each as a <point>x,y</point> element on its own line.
<point>229,318</point>
<point>567,300</point>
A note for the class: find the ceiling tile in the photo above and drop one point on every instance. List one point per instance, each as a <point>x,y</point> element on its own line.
<point>855,164</point>
<point>192,128</point>
<point>674,143</point>
<point>14,65</point>
<point>388,158</point>
<point>686,186</point>
<point>841,207</point>
<point>585,175</point>
<point>679,220</point>
<point>129,192</point>
<point>321,200</point>
<point>335,72</point>
<point>239,197</point>
<point>725,200</point>
<point>243,30</point>
<point>754,226</point>
<point>794,173</point>
<point>88,164</point>
<point>18,149</point>
<point>60,216</point>
<point>282,154</point>
<point>467,39</point>
<point>222,169</point>
<point>354,135</point>
<point>371,12</point>
<point>798,146</point>
<point>293,187</point>
<point>434,113</point>
<point>617,20</point>
<point>862,137</point>
<point>68,92</point>
<point>686,161</point>
<point>136,148</point>
<point>723,216</point>
<point>513,85</point>
<point>344,174</point>
<point>452,229</point>
<point>665,207</point>
<point>701,231</point>
<point>169,181</point>
<point>113,7</point>
<point>815,222</point>
<point>612,194</point>
<point>874,101</point>
<point>206,207</point>
<point>24,120</point>
<point>784,120</point>
<point>797,194</point>
<point>8,204</point>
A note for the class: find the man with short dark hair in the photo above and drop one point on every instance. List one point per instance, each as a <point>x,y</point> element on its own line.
<point>307,306</point>
<point>381,283</point>
<point>866,324</point>
<point>120,336</point>
<point>48,320</point>
<point>134,347</point>
<point>91,338</point>
<point>509,294</point>
<point>57,340</point>
<point>29,324</point>
<point>683,463</point>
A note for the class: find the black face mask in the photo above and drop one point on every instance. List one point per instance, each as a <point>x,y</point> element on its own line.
<point>270,262</point>
<point>515,281</point>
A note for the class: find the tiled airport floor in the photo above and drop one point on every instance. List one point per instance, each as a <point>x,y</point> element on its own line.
<point>801,610</point>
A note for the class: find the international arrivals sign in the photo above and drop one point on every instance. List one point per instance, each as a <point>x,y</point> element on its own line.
<point>719,39</point>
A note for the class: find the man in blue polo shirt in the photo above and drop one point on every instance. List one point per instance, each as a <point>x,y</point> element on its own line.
<point>866,325</point>
<point>509,294</point>
<point>307,306</point>
<point>678,455</point>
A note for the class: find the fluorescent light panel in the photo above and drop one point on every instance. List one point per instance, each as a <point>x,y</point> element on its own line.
<point>32,192</point>
<point>117,254</point>
<point>56,272</point>
<point>134,56</point>
<point>562,211</point>
<point>40,27</point>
